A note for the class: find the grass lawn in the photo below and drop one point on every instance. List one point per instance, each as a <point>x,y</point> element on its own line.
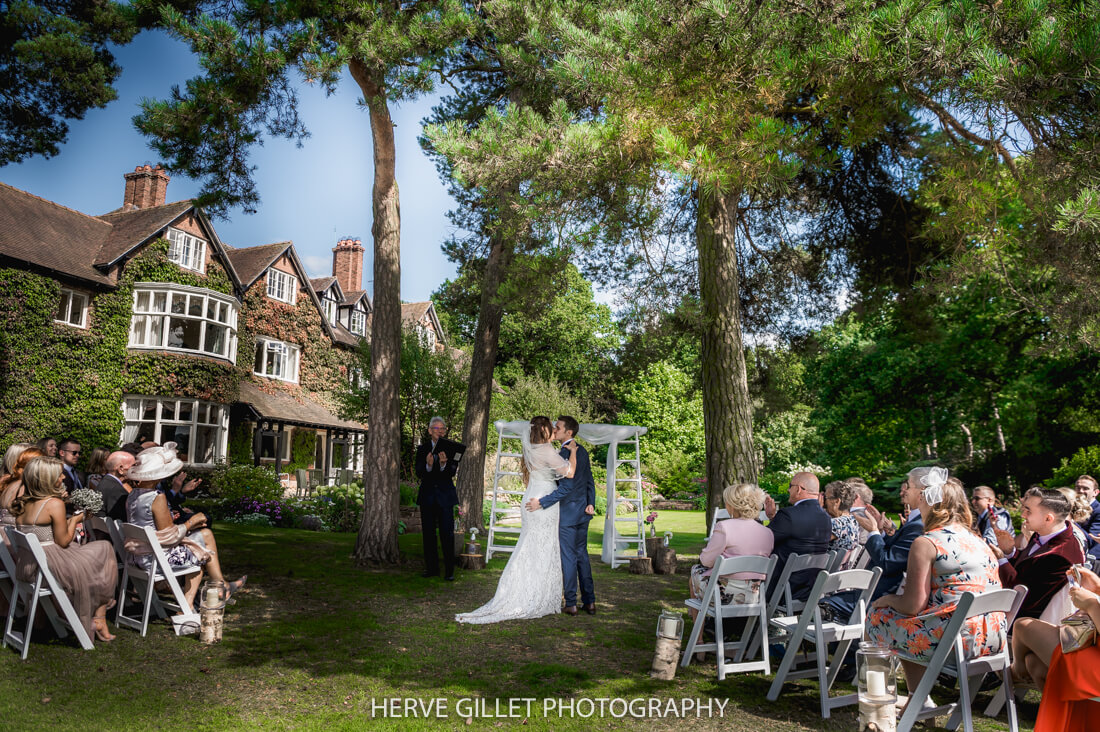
<point>314,641</point>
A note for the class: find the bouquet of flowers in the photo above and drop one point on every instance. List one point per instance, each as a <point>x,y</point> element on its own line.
<point>86,498</point>
<point>651,519</point>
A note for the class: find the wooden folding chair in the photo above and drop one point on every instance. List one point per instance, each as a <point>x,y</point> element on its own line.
<point>145,580</point>
<point>719,515</point>
<point>44,587</point>
<point>809,626</point>
<point>7,586</point>
<point>970,672</point>
<point>710,606</point>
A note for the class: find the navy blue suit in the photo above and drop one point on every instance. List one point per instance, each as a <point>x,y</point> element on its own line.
<point>437,498</point>
<point>1091,525</point>
<point>574,495</point>
<point>891,553</point>
<point>803,528</point>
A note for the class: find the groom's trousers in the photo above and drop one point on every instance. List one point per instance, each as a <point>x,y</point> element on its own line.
<point>575,565</point>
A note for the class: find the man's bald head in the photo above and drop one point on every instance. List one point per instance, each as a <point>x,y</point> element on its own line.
<point>119,463</point>
<point>803,486</point>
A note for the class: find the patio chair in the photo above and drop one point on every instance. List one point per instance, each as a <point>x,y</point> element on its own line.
<point>969,672</point>
<point>710,606</point>
<point>809,626</point>
<point>43,587</point>
<point>145,580</point>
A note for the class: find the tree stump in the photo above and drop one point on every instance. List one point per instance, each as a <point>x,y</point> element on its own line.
<point>665,659</point>
<point>653,544</point>
<point>664,560</point>
<point>641,565</point>
<point>471,561</point>
<point>878,717</point>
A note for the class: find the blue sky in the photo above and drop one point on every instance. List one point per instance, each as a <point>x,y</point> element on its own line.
<point>311,195</point>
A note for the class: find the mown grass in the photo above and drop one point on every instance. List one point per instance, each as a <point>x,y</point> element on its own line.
<point>316,643</point>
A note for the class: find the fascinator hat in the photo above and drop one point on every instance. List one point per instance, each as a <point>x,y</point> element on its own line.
<point>933,483</point>
<point>155,463</point>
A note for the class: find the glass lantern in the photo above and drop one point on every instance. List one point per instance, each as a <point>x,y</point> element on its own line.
<point>668,538</point>
<point>213,594</point>
<point>472,546</point>
<point>670,625</point>
<point>876,674</point>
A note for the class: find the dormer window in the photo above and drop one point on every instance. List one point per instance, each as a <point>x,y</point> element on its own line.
<point>329,305</point>
<point>187,251</point>
<point>282,286</point>
<point>357,323</point>
<point>426,336</point>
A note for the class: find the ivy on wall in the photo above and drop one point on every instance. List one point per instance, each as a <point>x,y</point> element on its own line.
<point>60,381</point>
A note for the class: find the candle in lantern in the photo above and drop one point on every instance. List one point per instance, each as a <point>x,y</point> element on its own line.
<point>212,598</point>
<point>876,683</point>
<point>668,627</point>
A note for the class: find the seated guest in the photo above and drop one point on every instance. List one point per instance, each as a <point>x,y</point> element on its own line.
<point>97,467</point>
<point>11,486</point>
<point>738,536</point>
<point>186,545</point>
<point>48,446</point>
<point>11,455</point>
<point>175,491</point>
<point>1041,565</point>
<point>839,497</point>
<point>87,572</point>
<point>800,528</point>
<point>1088,488</point>
<point>864,498</point>
<point>111,485</point>
<point>69,452</point>
<point>946,561</point>
<point>1078,511</point>
<point>989,517</point>
<point>889,552</point>
<point>1067,701</point>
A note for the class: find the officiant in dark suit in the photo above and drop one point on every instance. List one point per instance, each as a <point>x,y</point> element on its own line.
<point>437,497</point>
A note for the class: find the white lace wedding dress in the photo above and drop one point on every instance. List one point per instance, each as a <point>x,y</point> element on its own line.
<point>531,584</point>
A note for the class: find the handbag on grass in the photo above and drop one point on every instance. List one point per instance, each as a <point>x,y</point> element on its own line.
<point>1076,631</point>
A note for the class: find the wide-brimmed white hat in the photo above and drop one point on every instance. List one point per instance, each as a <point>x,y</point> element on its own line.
<point>154,463</point>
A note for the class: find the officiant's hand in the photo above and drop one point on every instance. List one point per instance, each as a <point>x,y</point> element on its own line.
<point>442,459</point>
<point>533,504</point>
<point>431,460</point>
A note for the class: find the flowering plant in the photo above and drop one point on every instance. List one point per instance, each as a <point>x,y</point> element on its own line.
<point>88,499</point>
<point>651,518</point>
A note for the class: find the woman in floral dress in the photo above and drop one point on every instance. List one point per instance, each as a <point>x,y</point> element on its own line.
<point>948,560</point>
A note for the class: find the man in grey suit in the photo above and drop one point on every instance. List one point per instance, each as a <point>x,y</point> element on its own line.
<point>577,496</point>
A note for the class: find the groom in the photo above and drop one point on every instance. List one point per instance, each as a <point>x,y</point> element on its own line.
<point>578,497</point>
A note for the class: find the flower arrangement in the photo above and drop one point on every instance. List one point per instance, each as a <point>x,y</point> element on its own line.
<point>86,498</point>
<point>651,519</point>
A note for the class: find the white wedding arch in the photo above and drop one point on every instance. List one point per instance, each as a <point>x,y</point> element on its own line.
<point>623,536</point>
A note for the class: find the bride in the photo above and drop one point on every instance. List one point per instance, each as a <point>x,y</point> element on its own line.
<point>531,584</point>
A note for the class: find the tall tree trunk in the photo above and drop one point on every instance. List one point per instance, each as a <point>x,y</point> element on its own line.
<point>934,452</point>
<point>727,410</point>
<point>475,427</point>
<point>377,539</point>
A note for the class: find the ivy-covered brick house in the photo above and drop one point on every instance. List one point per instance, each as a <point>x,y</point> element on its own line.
<point>142,323</point>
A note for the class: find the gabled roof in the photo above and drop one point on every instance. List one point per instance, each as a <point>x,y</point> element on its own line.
<point>51,237</point>
<point>320,284</point>
<point>251,262</point>
<point>130,229</point>
<point>354,297</point>
<point>413,312</point>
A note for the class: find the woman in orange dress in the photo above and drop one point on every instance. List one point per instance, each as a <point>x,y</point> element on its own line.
<point>1069,681</point>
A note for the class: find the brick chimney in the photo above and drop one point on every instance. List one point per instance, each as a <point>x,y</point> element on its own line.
<point>347,264</point>
<point>145,187</point>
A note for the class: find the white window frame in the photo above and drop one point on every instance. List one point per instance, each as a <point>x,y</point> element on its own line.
<point>329,304</point>
<point>288,437</point>
<point>291,359</point>
<point>282,286</point>
<point>165,413</point>
<point>357,315</point>
<point>187,250</point>
<point>153,315</point>
<point>68,299</point>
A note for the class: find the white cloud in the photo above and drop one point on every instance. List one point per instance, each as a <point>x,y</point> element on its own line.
<point>317,265</point>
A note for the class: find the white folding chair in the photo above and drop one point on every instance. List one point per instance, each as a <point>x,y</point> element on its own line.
<point>145,580</point>
<point>720,514</point>
<point>7,569</point>
<point>810,627</point>
<point>970,672</point>
<point>98,523</point>
<point>301,483</point>
<point>781,601</point>
<point>710,606</point>
<point>44,587</point>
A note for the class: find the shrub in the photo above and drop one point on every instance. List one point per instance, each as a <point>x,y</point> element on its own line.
<point>601,505</point>
<point>408,493</point>
<point>672,472</point>
<point>279,513</point>
<point>1085,461</point>
<point>341,506</point>
<point>233,482</point>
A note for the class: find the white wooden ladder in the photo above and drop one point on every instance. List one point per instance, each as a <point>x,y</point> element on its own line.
<point>629,529</point>
<point>500,506</point>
